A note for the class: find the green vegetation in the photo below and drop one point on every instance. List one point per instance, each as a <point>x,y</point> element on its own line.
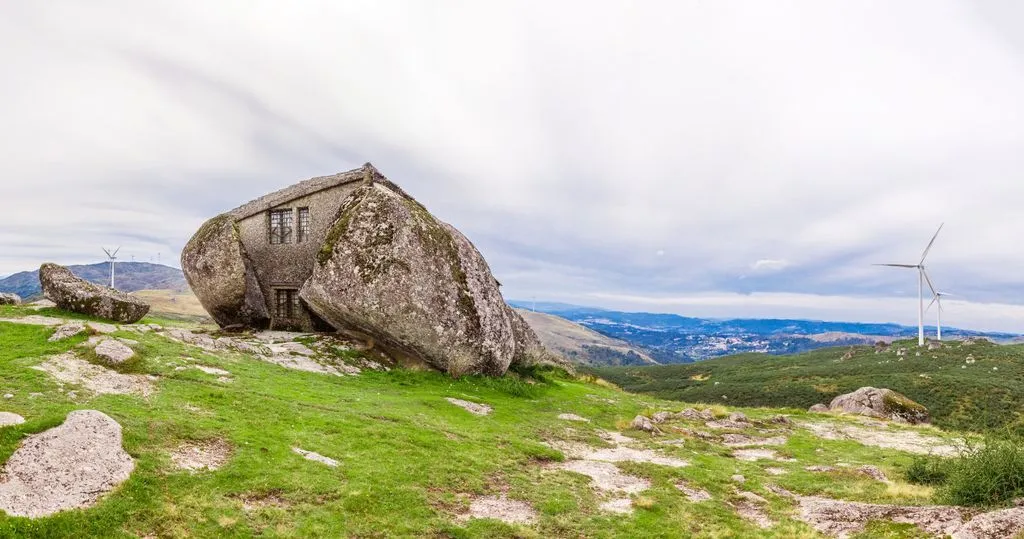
<point>975,387</point>
<point>991,474</point>
<point>410,461</point>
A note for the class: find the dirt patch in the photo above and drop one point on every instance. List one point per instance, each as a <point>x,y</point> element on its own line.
<point>622,506</point>
<point>910,441</point>
<point>212,370</point>
<point>607,477</point>
<point>728,424</point>
<point>751,455</point>
<point>257,501</point>
<point>742,440</point>
<point>503,509</point>
<point>316,457</point>
<point>573,417</point>
<point>201,455</point>
<point>695,495</point>
<point>66,467</point>
<point>750,507</point>
<point>628,454</point>
<point>69,368</point>
<point>471,407</point>
<point>775,471</point>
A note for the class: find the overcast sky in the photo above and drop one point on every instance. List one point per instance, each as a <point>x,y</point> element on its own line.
<point>701,157</point>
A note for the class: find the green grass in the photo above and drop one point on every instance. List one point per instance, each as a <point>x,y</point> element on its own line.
<point>977,396</point>
<point>990,474</point>
<point>410,461</point>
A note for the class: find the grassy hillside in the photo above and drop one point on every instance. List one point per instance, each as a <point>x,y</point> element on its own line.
<point>175,304</point>
<point>581,344</point>
<point>410,463</point>
<point>970,387</point>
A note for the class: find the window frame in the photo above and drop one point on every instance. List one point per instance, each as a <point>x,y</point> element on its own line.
<point>288,299</point>
<point>303,225</point>
<point>283,232</point>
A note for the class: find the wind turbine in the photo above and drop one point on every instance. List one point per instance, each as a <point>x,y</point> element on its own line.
<point>113,257</point>
<point>922,277</point>
<point>938,312</point>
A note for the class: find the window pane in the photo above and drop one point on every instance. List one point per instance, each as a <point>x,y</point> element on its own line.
<point>303,225</point>
<point>280,226</point>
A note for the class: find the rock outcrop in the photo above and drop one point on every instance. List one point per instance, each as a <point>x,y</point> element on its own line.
<point>9,299</point>
<point>880,403</point>
<point>218,269</point>
<point>392,271</point>
<point>66,467</point>
<point>73,294</point>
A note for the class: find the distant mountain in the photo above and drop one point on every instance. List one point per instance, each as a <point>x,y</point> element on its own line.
<point>671,338</point>
<point>128,277</point>
<point>583,345</point>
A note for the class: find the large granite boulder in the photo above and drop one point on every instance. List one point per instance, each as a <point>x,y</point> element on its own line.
<point>73,294</point>
<point>220,273</point>
<point>9,299</point>
<point>391,270</point>
<point>880,403</point>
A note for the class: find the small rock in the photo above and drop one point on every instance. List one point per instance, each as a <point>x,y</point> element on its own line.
<point>471,407</point>
<point>102,328</point>
<point>8,395</point>
<point>874,473</point>
<point>9,299</point>
<point>316,457</point>
<point>67,331</point>
<point>692,494</point>
<point>114,352</point>
<point>781,420</point>
<point>7,419</point>
<point>738,417</point>
<point>643,423</point>
<point>661,417</point>
<point>818,409</point>
<point>738,478</point>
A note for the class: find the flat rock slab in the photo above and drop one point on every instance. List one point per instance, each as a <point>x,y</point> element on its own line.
<point>102,328</point>
<point>503,509</point>
<point>301,363</point>
<point>201,455</point>
<point>212,370</point>
<point>113,351</point>
<point>573,417</point>
<point>316,457</point>
<point>67,331</point>
<point>34,320</point>
<point>607,477</point>
<point>842,519</point>
<point>471,407</point>
<point>742,440</point>
<point>902,439</point>
<point>66,467</point>
<point>752,455</point>
<point>695,495</point>
<point>7,419</point>
<point>71,369</point>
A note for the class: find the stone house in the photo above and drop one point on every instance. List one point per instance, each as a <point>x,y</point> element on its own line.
<point>282,232</point>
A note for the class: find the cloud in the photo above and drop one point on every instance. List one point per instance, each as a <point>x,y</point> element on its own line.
<point>573,142</point>
<point>769,264</point>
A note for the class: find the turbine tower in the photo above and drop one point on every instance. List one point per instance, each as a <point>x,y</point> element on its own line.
<point>937,300</point>
<point>922,277</point>
<point>113,257</point>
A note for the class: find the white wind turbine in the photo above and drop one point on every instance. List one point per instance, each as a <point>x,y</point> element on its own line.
<point>922,277</point>
<point>937,300</point>
<point>113,257</point>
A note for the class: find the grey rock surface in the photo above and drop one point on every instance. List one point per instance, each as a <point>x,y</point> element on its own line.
<point>391,270</point>
<point>9,299</point>
<point>73,294</point>
<point>113,351</point>
<point>67,331</point>
<point>66,467</point>
<point>217,267</point>
<point>880,403</point>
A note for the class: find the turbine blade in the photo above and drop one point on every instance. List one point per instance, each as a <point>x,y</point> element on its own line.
<point>929,281</point>
<point>929,248</point>
<point>897,265</point>
<point>928,308</point>
<point>116,250</point>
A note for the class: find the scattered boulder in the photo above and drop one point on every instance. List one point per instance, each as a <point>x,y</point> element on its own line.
<point>101,328</point>
<point>73,294</point>
<point>113,351</point>
<point>645,424</point>
<point>67,331</point>
<point>874,472</point>
<point>819,409</point>
<point>694,415</point>
<point>66,467</point>
<point>9,299</point>
<point>661,417</point>
<point>882,404</point>
<point>220,273</point>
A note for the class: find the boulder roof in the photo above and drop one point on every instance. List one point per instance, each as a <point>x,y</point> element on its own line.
<point>304,188</point>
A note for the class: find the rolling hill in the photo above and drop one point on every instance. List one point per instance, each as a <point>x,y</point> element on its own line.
<point>671,338</point>
<point>582,345</point>
<point>128,276</point>
<point>970,385</point>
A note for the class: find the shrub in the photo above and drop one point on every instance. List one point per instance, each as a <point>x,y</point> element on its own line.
<point>927,471</point>
<point>992,475</point>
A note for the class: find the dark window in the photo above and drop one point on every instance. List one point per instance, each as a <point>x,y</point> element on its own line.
<point>287,304</point>
<point>303,225</point>
<point>280,226</point>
